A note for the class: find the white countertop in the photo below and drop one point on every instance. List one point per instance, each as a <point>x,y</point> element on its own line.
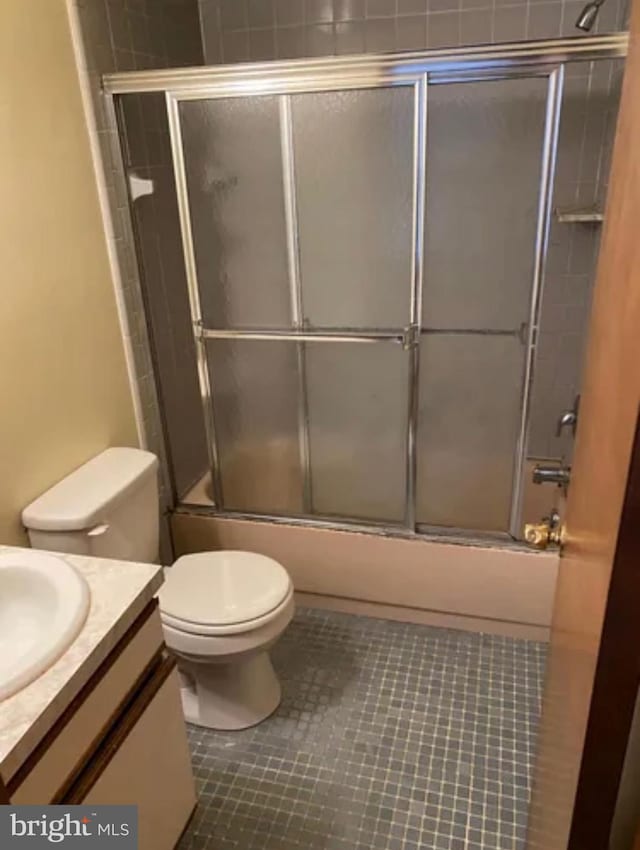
<point>120,590</point>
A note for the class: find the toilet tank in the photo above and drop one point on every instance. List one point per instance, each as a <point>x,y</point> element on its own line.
<point>107,508</point>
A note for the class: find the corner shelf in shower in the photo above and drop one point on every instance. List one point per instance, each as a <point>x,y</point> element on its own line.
<point>579,215</point>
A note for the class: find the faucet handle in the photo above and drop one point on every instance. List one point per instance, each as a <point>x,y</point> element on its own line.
<point>569,417</point>
<point>548,532</point>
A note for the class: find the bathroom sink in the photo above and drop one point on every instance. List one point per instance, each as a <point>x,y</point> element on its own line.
<point>43,605</point>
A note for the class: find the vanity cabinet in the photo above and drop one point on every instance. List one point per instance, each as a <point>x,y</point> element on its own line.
<point>121,740</point>
<point>150,760</point>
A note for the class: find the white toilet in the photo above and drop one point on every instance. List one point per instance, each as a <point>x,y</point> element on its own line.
<point>221,611</point>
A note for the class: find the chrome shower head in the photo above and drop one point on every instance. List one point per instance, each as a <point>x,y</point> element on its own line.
<point>588,15</point>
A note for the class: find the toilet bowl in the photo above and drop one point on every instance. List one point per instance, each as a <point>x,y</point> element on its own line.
<point>221,613</point>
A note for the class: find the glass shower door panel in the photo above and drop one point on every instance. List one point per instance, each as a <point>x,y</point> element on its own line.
<point>233,163</point>
<point>468,425</point>
<point>357,401</point>
<point>484,158</point>
<point>255,400</point>
<point>353,154</point>
<point>484,164</point>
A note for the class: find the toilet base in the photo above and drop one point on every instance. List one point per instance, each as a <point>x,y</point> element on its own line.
<point>229,696</point>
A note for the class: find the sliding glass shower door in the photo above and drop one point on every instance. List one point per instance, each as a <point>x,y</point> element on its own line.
<point>302,219</point>
<point>233,168</point>
<point>364,264</point>
<point>353,155</point>
<point>485,141</point>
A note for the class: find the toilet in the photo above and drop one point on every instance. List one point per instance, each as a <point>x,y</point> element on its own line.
<point>221,611</point>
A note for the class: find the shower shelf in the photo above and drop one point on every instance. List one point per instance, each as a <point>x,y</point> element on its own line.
<point>579,215</point>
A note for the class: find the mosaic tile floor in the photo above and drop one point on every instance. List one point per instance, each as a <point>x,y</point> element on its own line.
<point>389,736</point>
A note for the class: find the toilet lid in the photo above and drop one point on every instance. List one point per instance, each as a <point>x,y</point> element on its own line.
<point>223,588</point>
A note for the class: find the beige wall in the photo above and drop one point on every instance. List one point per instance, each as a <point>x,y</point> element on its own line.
<point>64,392</point>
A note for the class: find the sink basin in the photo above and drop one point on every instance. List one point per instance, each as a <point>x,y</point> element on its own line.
<point>43,605</point>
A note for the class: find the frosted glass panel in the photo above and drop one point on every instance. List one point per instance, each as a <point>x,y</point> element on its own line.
<point>484,153</point>
<point>357,403</point>
<point>353,161</point>
<point>255,395</point>
<point>467,430</point>
<point>233,163</point>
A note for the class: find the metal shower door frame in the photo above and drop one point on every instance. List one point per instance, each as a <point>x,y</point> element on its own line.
<point>411,336</point>
<point>408,336</point>
<point>419,70</point>
<point>553,107</point>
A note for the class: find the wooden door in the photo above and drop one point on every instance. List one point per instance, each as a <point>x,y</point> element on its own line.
<point>593,668</point>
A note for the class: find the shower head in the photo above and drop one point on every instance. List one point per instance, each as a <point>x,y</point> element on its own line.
<point>588,16</point>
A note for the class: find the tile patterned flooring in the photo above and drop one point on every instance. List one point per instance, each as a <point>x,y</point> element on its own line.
<point>390,736</point>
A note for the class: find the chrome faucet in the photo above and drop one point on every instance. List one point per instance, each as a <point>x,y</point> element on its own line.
<point>547,474</point>
<point>558,473</point>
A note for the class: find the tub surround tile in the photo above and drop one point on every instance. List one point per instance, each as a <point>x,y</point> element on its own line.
<point>120,590</point>
<point>121,35</point>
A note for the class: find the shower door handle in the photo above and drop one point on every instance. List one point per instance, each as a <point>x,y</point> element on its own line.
<point>519,333</point>
<point>348,335</point>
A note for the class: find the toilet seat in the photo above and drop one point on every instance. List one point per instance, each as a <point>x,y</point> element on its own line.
<point>212,630</point>
<point>223,593</point>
